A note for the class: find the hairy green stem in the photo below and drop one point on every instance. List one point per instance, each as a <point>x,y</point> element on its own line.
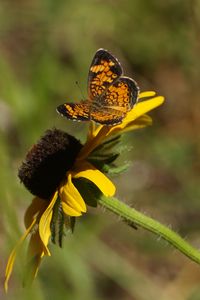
<point>132,216</point>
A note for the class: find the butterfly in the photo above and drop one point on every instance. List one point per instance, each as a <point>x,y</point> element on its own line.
<point>110,94</point>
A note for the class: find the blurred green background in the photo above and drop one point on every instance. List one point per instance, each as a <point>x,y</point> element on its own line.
<point>45,47</point>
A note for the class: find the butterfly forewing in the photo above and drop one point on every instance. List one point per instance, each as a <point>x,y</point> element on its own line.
<point>104,70</point>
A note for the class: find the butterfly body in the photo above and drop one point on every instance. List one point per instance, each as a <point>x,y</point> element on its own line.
<point>110,94</point>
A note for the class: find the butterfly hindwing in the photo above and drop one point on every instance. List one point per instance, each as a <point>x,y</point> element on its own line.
<point>75,111</point>
<point>108,117</point>
<point>121,95</point>
<point>118,99</point>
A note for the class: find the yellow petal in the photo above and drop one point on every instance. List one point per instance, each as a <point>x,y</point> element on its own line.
<point>36,246</point>
<point>88,171</point>
<point>91,130</point>
<point>98,135</point>
<point>32,268</point>
<point>146,94</point>
<point>69,211</point>
<point>12,257</point>
<point>97,129</point>
<point>37,207</point>
<point>139,110</point>
<point>142,108</point>
<point>73,203</point>
<point>35,254</point>
<point>140,122</point>
<point>44,224</point>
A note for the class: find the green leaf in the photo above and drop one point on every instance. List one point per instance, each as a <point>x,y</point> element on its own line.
<point>54,221</point>
<point>58,224</point>
<point>99,162</point>
<point>108,145</point>
<point>116,170</point>
<point>72,223</point>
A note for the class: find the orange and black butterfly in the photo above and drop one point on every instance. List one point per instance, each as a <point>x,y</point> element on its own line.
<point>110,94</point>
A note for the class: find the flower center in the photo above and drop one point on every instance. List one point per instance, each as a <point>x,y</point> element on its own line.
<point>47,162</point>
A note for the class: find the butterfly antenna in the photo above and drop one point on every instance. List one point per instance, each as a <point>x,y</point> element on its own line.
<point>81,91</point>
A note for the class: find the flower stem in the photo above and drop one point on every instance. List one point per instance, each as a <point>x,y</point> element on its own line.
<point>132,216</point>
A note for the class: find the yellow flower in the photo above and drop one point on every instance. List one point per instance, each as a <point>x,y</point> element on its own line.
<point>62,191</point>
<point>135,119</point>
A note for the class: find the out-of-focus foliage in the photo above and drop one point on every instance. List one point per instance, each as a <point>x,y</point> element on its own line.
<point>45,47</point>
